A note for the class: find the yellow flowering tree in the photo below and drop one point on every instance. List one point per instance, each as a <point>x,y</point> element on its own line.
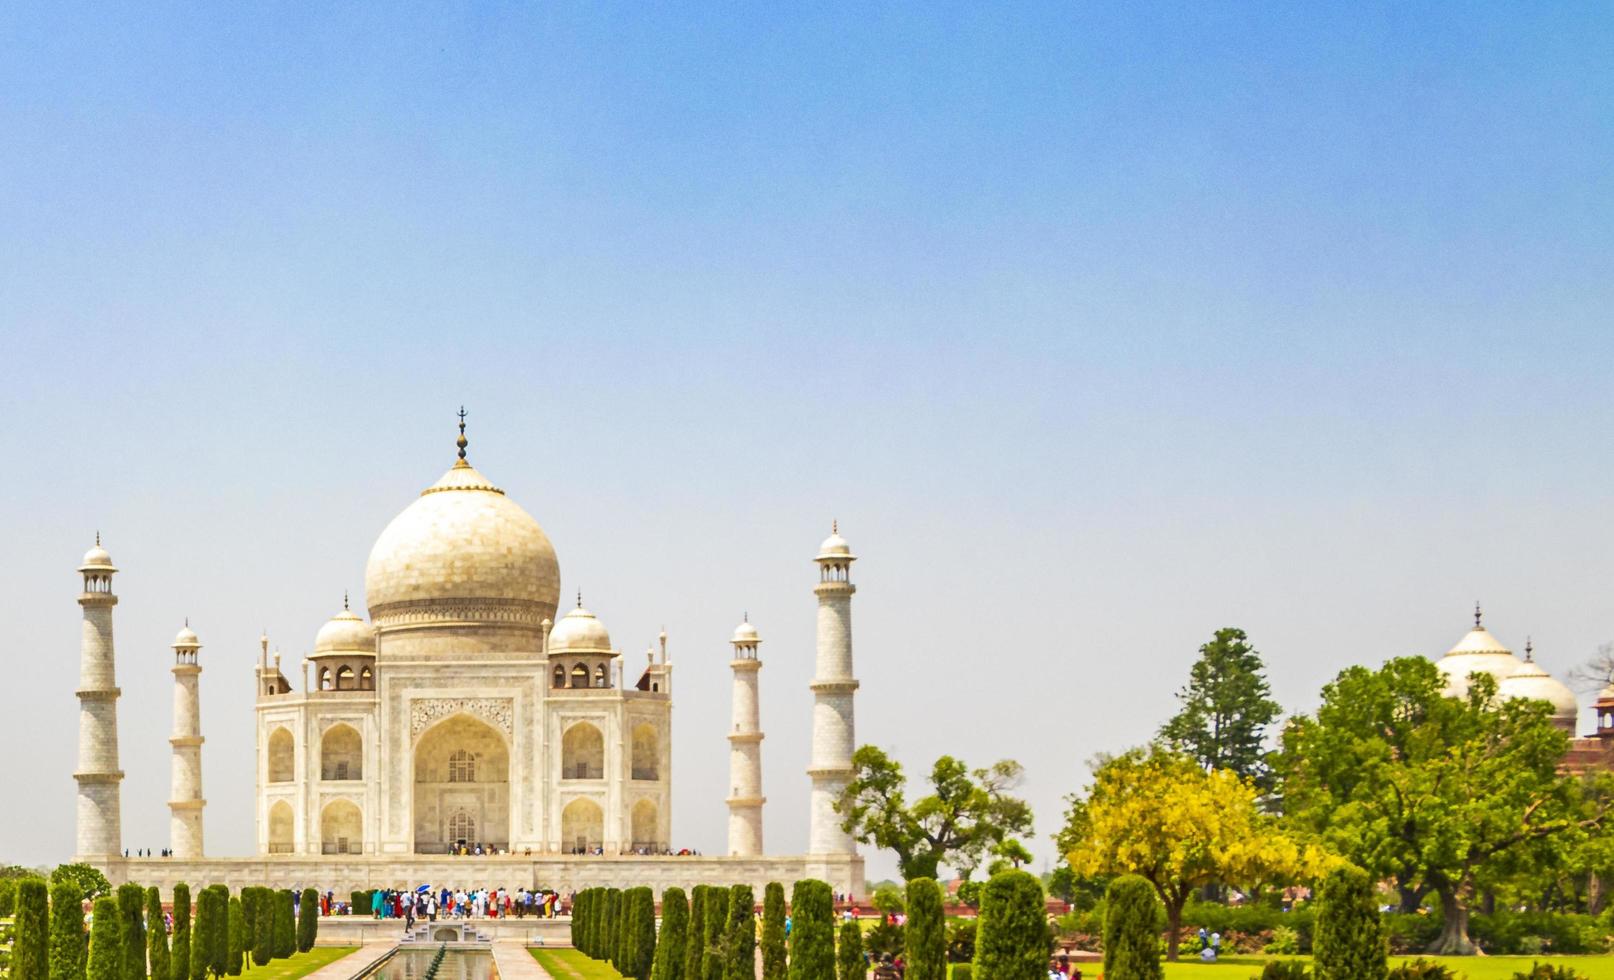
<point>1162,816</point>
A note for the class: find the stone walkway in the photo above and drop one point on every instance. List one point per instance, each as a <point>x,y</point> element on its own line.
<point>353,963</point>
<point>515,963</point>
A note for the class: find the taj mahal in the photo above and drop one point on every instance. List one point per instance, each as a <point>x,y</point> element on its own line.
<point>468,715</point>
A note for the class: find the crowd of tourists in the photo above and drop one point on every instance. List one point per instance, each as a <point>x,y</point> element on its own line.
<point>459,903</point>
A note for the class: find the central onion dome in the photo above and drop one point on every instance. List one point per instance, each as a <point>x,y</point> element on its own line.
<point>1478,652</point>
<point>463,554</point>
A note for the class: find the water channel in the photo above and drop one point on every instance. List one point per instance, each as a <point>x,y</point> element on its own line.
<point>458,964</point>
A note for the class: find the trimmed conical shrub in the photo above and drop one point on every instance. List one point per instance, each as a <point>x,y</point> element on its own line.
<point>67,941</point>
<point>812,931</point>
<point>156,936</point>
<point>670,943</point>
<point>740,936</point>
<point>307,920</point>
<point>106,940</point>
<point>849,961</point>
<point>234,936</point>
<point>717,922</point>
<point>218,938</point>
<point>30,944</point>
<point>924,937</point>
<point>774,962</point>
<point>695,935</point>
<point>642,933</point>
<point>263,925</point>
<point>132,927</point>
<point>1348,941</point>
<point>284,935</point>
<point>1013,940</point>
<point>179,953</point>
<point>1132,923</point>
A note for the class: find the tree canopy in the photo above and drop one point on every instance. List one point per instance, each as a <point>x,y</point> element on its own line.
<point>1437,792</point>
<point>1226,709</point>
<point>966,814</point>
<point>1158,814</point>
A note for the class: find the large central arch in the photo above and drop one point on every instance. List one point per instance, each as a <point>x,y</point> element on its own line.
<point>462,787</point>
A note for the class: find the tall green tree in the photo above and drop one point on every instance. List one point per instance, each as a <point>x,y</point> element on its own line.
<point>775,966</point>
<point>201,935</point>
<point>1225,709</point>
<point>695,940</point>
<point>106,940</point>
<point>179,954</point>
<point>218,938</point>
<point>740,938</point>
<point>30,943</point>
<point>1132,922</point>
<point>67,940</point>
<point>156,936</point>
<point>717,921</point>
<point>812,931</point>
<point>90,881</point>
<point>132,926</point>
<point>1348,941</point>
<point>924,938</point>
<point>965,815</point>
<point>1012,941</point>
<point>849,961</point>
<point>284,941</point>
<point>1435,792</point>
<point>674,935</point>
<point>263,925</point>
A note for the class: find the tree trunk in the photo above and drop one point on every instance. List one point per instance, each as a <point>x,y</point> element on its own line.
<point>1453,939</point>
<point>1173,926</point>
<point>1596,896</point>
<point>1411,897</point>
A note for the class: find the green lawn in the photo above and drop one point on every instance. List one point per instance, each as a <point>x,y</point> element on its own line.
<point>569,964</point>
<point>1471,967</point>
<point>298,964</point>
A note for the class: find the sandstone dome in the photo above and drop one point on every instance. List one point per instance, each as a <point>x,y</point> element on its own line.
<point>463,553</point>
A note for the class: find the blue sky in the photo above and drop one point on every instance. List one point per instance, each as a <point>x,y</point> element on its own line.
<point>1098,327</point>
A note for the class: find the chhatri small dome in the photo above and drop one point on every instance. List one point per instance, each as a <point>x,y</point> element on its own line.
<point>579,632</point>
<point>1477,652</point>
<point>745,633</point>
<point>835,546</point>
<point>97,559</point>
<point>1531,682</point>
<point>186,637</point>
<point>463,552</point>
<point>345,633</point>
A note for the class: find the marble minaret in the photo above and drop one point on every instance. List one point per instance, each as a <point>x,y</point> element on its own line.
<point>833,689</point>
<point>185,798</point>
<point>745,747</point>
<point>100,832</point>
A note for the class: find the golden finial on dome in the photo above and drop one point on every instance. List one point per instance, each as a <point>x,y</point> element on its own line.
<point>1477,624</point>
<point>461,441</point>
<point>344,601</point>
<point>1529,651</point>
<point>98,539</point>
<point>579,598</point>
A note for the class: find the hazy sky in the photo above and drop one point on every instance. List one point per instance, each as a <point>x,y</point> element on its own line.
<point>1098,327</point>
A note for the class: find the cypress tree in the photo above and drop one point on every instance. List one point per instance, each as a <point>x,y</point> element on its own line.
<point>66,931</point>
<point>1348,942</point>
<point>624,932</point>
<point>234,935</point>
<point>283,940</point>
<point>263,926</point>
<point>924,938</point>
<point>200,935</point>
<point>1132,923</point>
<point>578,905</point>
<point>611,928</point>
<point>179,955</point>
<point>218,938</point>
<point>307,920</point>
<point>695,935</point>
<point>812,931</point>
<point>717,920</point>
<point>740,940</point>
<point>156,936</point>
<point>30,943</point>
<point>644,933</point>
<point>1013,941</point>
<point>669,961</point>
<point>106,940</point>
<point>8,897</point>
<point>774,965</point>
<point>131,920</point>
<point>849,961</point>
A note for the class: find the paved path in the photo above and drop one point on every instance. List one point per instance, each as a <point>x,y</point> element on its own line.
<point>353,963</point>
<point>515,963</point>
